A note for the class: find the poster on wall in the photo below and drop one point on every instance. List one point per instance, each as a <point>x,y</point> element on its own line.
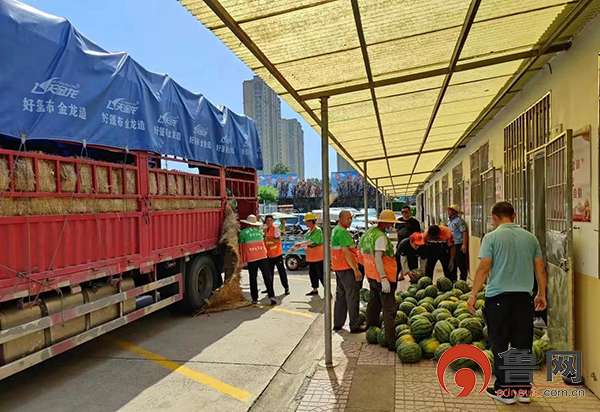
<point>582,175</point>
<point>499,177</point>
<point>467,199</point>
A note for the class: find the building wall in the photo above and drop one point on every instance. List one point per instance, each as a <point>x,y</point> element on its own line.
<point>573,84</point>
<point>292,141</point>
<point>343,165</point>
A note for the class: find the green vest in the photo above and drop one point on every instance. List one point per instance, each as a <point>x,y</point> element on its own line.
<point>367,242</point>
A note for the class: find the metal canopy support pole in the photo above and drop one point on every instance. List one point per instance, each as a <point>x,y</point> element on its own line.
<point>326,227</point>
<point>377,196</point>
<point>365,196</point>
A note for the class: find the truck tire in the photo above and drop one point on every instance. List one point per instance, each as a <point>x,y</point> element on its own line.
<point>292,262</point>
<point>199,279</point>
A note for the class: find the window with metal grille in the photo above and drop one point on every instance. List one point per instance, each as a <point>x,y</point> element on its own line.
<point>458,185</point>
<point>479,164</point>
<point>488,184</point>
<point>527,132</point>
<point>445,195</point>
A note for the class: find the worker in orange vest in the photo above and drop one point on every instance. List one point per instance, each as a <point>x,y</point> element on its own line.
<point>313,246</point>
<point>344,262</point>
<point>380,268</point>
<point>275,253</point>
<point>253,253</point>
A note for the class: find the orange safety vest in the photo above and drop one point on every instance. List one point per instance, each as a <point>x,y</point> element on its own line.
<point>340,239</point>
<point>314,253</point>
<point>367,247</point>
<point>273,244</point>
<point>252,245</point>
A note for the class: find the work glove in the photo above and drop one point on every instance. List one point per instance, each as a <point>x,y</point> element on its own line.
<point>385,285</point>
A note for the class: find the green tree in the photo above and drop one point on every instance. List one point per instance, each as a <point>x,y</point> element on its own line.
<point>267,194</point>
<point>280,169</point>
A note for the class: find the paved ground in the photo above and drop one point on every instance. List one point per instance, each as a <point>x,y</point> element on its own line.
<point>168,361</point>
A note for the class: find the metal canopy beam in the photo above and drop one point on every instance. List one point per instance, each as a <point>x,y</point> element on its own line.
<point>367,62</point>
<point>372,159</point>
<point>462,38</point>
<point>236,29</point>
<point>541,51</point>
<point>555,48</point>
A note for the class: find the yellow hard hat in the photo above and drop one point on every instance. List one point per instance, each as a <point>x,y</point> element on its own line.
<point>310,216</point>
<point>387,216</point>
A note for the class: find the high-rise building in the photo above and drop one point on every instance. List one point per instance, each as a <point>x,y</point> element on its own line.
<point>292,139</point>
<point>262,104</point>
<point>343,165</point>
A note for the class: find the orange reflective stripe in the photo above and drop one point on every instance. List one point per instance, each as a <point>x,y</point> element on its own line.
<point>314,254</point>
<point>253,251</point>
<point>338,259</point>
<point>389,265</point>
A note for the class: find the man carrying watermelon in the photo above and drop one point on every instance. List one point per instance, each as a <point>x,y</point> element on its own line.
<point>380,268</point>
<point>509,258</point>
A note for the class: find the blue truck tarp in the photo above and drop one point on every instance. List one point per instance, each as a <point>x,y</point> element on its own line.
<point>55,84</point>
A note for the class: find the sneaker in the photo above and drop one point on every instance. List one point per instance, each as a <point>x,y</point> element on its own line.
<point>312,293</point>
<point>491,392</point>
<point>287,292</point>
<point>273,301</point>
<point>524,399</point>
<point>360,329</point>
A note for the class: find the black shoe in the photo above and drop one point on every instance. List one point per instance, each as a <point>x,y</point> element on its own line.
<point>254,302</point>
<point>507,400</point>
<point>264,291</point>
<point>312,293</point>
<point>287,292</point>
<point>360,329</point>
<point>273,301</point>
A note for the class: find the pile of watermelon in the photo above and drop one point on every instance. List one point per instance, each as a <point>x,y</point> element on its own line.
<point>431,318</point>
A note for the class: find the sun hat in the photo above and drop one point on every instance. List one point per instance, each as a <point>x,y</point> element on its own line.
<point>310,216</point>
<point>387,216</point>
<point>251,220</point>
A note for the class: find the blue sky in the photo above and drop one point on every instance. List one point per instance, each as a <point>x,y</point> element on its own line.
<point>165,38</point>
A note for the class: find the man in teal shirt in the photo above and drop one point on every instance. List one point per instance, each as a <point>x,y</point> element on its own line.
<point>509,258</point>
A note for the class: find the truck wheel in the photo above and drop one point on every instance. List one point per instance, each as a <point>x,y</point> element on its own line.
<point>199,279</point>
<point>292,262</point>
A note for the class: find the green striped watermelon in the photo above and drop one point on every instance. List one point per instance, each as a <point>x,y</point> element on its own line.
<point>429,317</point>
<point>431,291</point>
<point>428,306</point>
<point>398,298</point>
<point>465,296</point>
<point>481,295</point>
<point>538,333</point>
<point>457,293</point>
<point>442,316</point>
<point>463,363</point>
<point>372,334</point>
<point>479,304</point>
<point>406,307</point>
<point>442,330</point>
<point>416,317</point>
<point>400,328</point>
<point>464,316</point>
<point>440,310</point>
<point>453,321</point>
<point>417,311</point>
<point>401,318</point>
<point>411,299</point>
<point>426,299</point>
<point>440,350</point>
<point>428,347</point>
<point>460,335</point>
<point>365,295</point>
<point>448,304</point>
<point>409,353</point>
<point>539,349</point>
<point>444,284</point>
<point>421,328</point>
<point>480,345</point>
<point>404,339</point>
<point>424,282</point>
<point>462,285</point>
<point>381,337</point>
<point>475,327</point>
<point>405,295</point>
<point>420,294</point>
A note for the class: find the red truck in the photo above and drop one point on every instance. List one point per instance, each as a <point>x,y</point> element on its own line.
<point>65,279</point>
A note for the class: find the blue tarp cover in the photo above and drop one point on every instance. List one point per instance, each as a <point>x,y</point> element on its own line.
<point>57,85</point>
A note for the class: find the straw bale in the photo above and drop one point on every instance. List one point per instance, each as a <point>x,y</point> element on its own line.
<point>102,179</point>
<point>152,183</point>
<point>180,183</point>
<point>63,206</point>
<point>117,181</point>
<point>196,185</point>
<point>131,182</point>
<point>24,178</point>
<point>85,177</point>
<point>162,184</point>
<point>171,186</point>
<point>188,185</point>
<point>47,175</point>
<point>181,204</point>
<point>68,177</point>
<point>4,174</point>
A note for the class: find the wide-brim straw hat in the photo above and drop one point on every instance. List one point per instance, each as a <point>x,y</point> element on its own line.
<point>387,216</point>
<point>251,220</point>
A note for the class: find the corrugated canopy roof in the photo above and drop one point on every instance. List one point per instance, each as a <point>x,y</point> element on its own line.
<point>407,81</point>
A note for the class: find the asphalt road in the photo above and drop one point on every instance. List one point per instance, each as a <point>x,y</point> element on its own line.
<point>170,361</point>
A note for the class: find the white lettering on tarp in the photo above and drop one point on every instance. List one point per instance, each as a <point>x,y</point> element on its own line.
<point>167,119</point>
<point>48,106</point>
<point>121,122</point>
<point>198,138</point>
<point>28,105</point>
<point>167,126</point>
<point>57,87</point>
<point>121,105</point>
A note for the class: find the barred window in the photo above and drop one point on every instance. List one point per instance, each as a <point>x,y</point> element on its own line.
<point>527,132</point>
<point>458,186</point>
<point>479,164</point>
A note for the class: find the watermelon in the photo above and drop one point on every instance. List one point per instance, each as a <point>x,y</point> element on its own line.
<point>442,316</point>
<point>442,330</point>
<point>400,328</point>
<point>424,282</point>
<point>362,317</point>
<point>428,347</point>
<point>539,349</point>
<point>457,293</point>
<point>461,311</point>
<point>479,314</point>
<point>404,339</point>
<point>439,299</point>
<point>428,306</point>
<point>429,317</point>
<point>406,307</point>
<point>409,353</point>
<point>463,363</point>
<point>417,311</point>
<point>421,328</point>
<point>475,327</point>
<point>538,333</point>
<point>431,291</point>
<point>462,285</point>
<point>401,318</point>
<point>440,310</point>
<point>481,295</point>
<point>416,317</point>
<point>381,337</point>
<point>412,289</point>
<point>372,334</point>
<point>480,345</point>
<point>465,296</point>
<point>405,295</point>
<point>420,294</point>
<point>411,299</point>
<point>490,356</point>
<point>440,350</point>
<point>453,321</point>
<point>365,295</point>
<point>426,299</point>
<point>398,298</point>
<point>444,284</point>
<point>454,299</point>
<point>448,304</point>
<point>460,335</point>
<point>479,304</point>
